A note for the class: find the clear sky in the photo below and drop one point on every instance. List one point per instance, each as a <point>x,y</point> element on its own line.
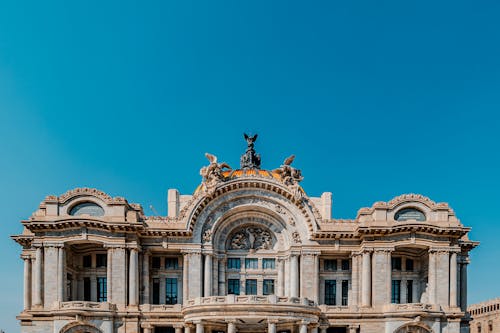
<point>375,98</point>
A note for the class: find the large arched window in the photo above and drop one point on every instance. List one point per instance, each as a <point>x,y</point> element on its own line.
<point>406,214</point>
<point>87,208</point>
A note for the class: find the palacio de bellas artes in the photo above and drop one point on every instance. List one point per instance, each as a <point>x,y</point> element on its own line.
<point>247,251</point>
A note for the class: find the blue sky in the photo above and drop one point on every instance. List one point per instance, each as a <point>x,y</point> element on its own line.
<point>375,98</point>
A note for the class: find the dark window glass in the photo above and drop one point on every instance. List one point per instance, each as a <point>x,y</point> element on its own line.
<point>156,291</point>
<point>409,265</point>
<point>69,287</point>
<point>330,264</point>
<point>87,261</point>
<point>156,262</point>
<point>86,289</point>
<point>233,286</point>
<point>251,263</point>
<point>396,264</point>
<point>345,264</point>
<point>171,263</point>
<point>396,291</point>
<point>268,287</point>
<point>102,292</point>
<point>251,287</point>
<point>171,291</point>
<point>268,263</point>
<point>233,263</point>
<point>87,208</point>
<point>330,292</point>
<point>409,291</point>
<point>159,329</point>
<point>101,260</point>
<point>345,292</point>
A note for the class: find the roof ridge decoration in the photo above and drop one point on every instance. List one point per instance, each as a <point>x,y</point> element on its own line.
<point>212,173</point>
<point>79,191</point>
<point>404,198</point>
<point>250,160</point>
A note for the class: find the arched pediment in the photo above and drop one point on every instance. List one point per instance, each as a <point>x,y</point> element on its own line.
<point>256,196</point>
<point>414,328</point>
<point>79,327</point>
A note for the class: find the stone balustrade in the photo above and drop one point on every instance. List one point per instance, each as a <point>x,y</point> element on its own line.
<point>250,299</point>
<point>86,305</point>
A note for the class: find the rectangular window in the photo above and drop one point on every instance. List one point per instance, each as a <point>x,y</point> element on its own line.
<point>268,263</point>
<point>102,292</point>
<point>233,286</point>
<point>171,291</point>
<point>396,264</point>
<point>409,291</point>
<point>171,263</point>
<point>251,263</point>
<point>233,263</point>
<point>86,289</point>
<point>330,264</point>
<point>101,260</point>
<point>330,292</point>
<point>268,287</point>
<point>156,262</point>
<point>345,264</point>
<point>345,292</point>
<point>156,291</point>
<point>409,265</point>
<point>251,287</point>
<point>396,291</point>
<point>87,261</point>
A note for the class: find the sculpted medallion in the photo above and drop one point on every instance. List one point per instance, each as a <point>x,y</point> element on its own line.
<point>251,238</point>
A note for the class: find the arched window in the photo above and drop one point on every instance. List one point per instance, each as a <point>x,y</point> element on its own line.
<point>406,214</point>
<point>87,208</point>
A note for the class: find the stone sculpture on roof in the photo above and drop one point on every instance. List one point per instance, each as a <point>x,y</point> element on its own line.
<point>250,160</point>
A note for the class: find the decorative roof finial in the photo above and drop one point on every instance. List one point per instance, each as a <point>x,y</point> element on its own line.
<point>250,160</point>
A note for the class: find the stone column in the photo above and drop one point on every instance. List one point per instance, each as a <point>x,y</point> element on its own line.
<point>271,326</point>
<point>453,279</point>
<point>194,276</point>
<point>185,272</point>
<point>109,275</point>
<point>381,282</point>
<point>443,278</point>
<point>463,285</point>
<point>199,327</point>
<point>316,279</point>
<point>61,273</point>
<point>148,329</point>
<point>187,328</point>
<point>207,288</point>
<point>132,277</point>
<point>51,275</point>
<point>303,327</point>
<point>145,277</point>
<point>323,329</point>
<point>38,277</point>
<point>215,276</point>
<point>178,328</point>
<point>366,280</point>
<point>314,328</point>
<point>222,276</point>
<point>93,288</point>
<point>281,275</point>
<point>353,329</point>
<point>431,284</point>
<point>27,282</point>
<point>294,275</point>
<point>354,281</point>
<point>119,275</point>
<point>231,327</point>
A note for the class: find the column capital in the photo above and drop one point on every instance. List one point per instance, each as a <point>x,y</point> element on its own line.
<point>191,251</point>
<point>311,252</point>
<point>53,244</point>
<point>114,246</point>
<point>178,325</point>
<point>26,256</point>
<point>383,249</point>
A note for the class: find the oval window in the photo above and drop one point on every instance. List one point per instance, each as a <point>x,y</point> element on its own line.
<point>409,214</point>
<point>87,208</point>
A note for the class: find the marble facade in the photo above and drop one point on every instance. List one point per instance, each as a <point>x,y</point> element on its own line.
<point>248,251</point>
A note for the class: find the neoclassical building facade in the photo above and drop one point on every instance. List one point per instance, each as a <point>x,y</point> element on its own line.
<point>248,251</point>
